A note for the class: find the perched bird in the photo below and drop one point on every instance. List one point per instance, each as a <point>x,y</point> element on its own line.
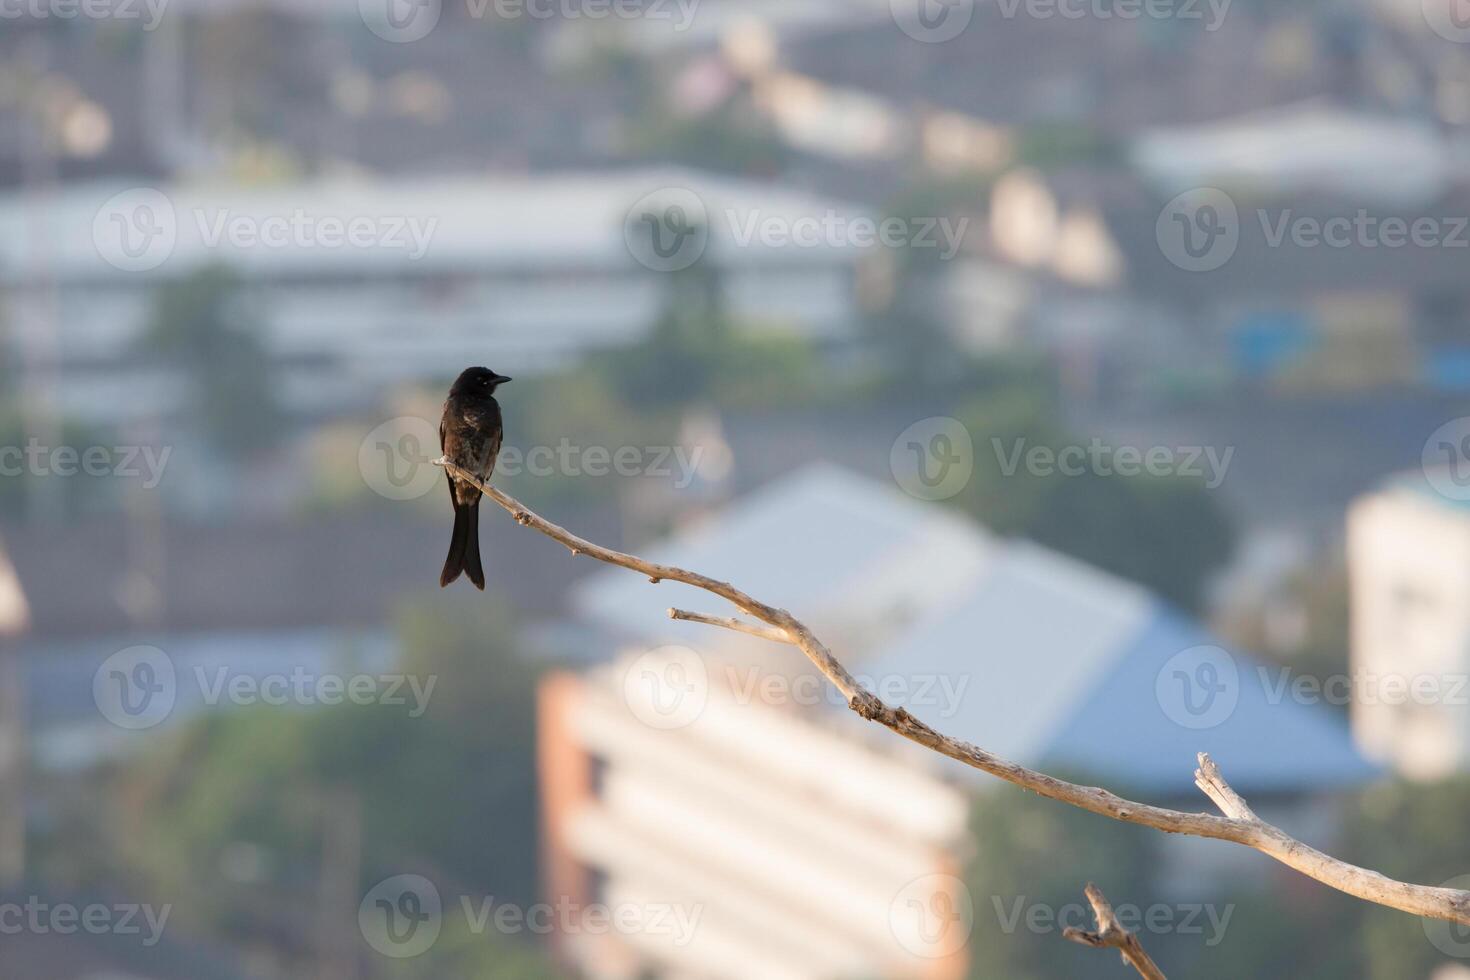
<point>470,435</point>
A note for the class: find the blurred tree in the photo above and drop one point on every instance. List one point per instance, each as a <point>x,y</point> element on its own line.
<point>227,818</point>
<point>678,361</point>
<point>1032,859</point>
<point>1304,624</point>
<point>1168,533</point>
<point>202,325</point>
<point>1413,832</point>
<point>732,137</point>
<point>909,325</point>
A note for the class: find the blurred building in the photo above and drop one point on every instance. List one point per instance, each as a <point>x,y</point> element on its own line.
<point>1297,285</point>
<point>1409,565</point>
<point>437,272</point>
<point>710,770</point>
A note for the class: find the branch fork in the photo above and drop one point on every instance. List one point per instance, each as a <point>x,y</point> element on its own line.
<point>1110,934</point>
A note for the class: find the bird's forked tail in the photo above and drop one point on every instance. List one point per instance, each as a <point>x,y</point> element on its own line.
<point>464,547</point>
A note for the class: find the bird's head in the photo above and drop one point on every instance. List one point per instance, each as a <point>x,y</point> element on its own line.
<point>478,382</point>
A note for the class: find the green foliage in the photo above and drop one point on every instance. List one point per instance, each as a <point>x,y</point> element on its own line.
<point>1033,857</point>
<point>65,495</point>
<point>694,355</point>
<point>1058,145</point>
<point>461,954</point>
<point>453,789</point>
<point>203,325</point>
<point>729,139</point>
<point>1168,533</point>
<point>1412,832</point>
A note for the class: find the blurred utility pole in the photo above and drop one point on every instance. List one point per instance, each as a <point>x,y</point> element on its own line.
<point>14,618</point>
<point>13,753</point>
<point>41,97</point>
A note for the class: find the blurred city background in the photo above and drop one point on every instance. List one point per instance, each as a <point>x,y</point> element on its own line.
<point>1093,376</point>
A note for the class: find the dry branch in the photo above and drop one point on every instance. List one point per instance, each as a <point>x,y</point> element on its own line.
<point>1239,825</point>
<point>1111,935</point>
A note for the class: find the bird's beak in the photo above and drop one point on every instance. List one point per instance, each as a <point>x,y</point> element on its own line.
<point>501,379</point>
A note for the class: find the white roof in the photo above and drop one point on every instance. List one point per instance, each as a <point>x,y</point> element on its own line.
<point>1303,147</point>
<point>572,222</point>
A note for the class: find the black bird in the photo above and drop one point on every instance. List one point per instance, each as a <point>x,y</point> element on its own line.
<point>470,434</point>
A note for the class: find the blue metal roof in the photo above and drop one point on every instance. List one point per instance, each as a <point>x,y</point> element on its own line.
<point>1173,691</point>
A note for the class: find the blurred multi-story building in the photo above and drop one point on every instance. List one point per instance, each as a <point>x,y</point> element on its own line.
<point>360,283</point>
<point>717,774</point>
<point>1408,549</point>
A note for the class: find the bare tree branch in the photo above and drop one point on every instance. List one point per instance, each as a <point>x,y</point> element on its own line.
<point>1239,825</point>
<point>1111,935</point>
<point>754,629</point>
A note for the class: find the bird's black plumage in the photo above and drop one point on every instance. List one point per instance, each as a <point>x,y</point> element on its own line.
<point>470,434</point>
